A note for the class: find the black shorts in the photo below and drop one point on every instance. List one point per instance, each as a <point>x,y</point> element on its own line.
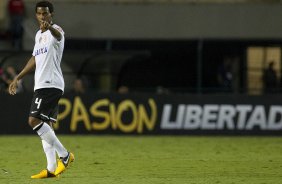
<point>44,105</point>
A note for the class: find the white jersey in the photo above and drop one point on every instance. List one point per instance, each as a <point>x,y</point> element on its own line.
<point>48,52</point>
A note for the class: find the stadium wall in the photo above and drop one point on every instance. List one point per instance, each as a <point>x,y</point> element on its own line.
<point>152,114</point>
<point>162,21</point>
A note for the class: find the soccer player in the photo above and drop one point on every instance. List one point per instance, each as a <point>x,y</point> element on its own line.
<point>48,89</point>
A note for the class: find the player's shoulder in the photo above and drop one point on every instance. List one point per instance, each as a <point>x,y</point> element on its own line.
<point>59,28</point>
<point>38,33</point>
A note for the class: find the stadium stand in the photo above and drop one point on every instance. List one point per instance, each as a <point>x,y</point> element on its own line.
<point>101,68</point>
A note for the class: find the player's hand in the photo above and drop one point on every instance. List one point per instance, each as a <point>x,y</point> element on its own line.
<point>13,87</point>
<point>45,25</point>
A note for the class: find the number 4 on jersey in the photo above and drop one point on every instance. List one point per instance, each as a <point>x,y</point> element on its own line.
<point>38,102</point>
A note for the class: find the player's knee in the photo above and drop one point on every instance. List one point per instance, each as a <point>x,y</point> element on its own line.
<point>33,121</point>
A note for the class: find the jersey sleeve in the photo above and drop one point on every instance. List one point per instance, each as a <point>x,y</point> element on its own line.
<point>59,29</point>
<point>62,33</point>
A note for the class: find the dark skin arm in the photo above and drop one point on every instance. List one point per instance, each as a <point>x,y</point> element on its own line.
<point>30,66</point>
<point>45,26</point>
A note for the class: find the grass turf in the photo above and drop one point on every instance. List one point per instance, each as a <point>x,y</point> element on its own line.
<point>148,159</point>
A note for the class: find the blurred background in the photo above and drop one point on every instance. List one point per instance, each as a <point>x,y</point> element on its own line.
<point>181,46</point>
<point>170,47</point>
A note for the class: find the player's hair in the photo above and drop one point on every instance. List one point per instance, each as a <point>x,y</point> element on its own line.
<point>45,4</point>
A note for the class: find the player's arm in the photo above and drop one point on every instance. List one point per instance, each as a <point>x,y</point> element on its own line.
<point>30,66</point>
<point>56,33</point>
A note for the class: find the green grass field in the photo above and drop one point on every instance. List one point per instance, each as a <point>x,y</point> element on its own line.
<point>141,159</point>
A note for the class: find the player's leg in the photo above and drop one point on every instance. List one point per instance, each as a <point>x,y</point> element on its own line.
<point>50,171</point>
<point>47,134</point>
<point>50,153</point>
<point>50,109</point>
<point>63,162</point>
<point>42,102</point>
<point>50,156</point>
<point>42,110</point>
